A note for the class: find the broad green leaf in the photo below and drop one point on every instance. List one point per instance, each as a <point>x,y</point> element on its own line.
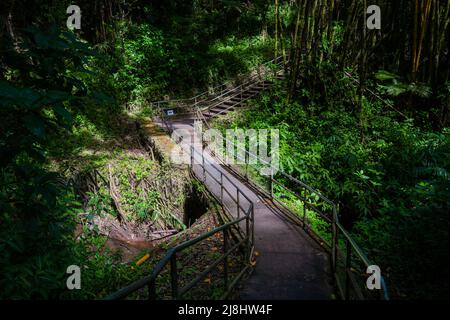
<point>62,112</point>
<point>35,124</point>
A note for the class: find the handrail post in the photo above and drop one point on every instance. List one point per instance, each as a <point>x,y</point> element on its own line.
<point>237,203</point>
<point>335,243</point>
<point>225,260</point>
<point>271,184</point>
<point>247,160</point>
<point>252,213</point>
<point>348,266</point>
<point>174,276</point>
<point>304,208</point>
<point>221,186</point>
<point>203,165</point>
<point>247,236</point>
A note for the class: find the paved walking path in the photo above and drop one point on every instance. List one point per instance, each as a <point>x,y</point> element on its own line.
<point>290,265</point>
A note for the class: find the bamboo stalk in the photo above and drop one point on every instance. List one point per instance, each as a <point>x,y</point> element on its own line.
<point>276,28</point>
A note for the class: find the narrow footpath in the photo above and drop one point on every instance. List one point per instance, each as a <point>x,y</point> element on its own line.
<point>290,265</point>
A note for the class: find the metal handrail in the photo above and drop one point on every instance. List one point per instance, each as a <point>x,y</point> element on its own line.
<point>288,176</point>
<point>278,60</point>
<point>151,279</point>
<point>250,81</point>
<point>193,103</point>
<point>336,226</point>
<point>170,257</point>
<point>337,229</point>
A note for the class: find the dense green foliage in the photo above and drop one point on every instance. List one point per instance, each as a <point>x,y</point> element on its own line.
<point>150,63</point>
<point>36,206</point>
<point>67,100</point>
<point>390,185</point>
<point>364,117</point>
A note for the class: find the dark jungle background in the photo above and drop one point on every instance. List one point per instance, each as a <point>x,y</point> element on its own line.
<point>384,159</point>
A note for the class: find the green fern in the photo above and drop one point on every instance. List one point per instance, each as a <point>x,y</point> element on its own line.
<point>395,87</point>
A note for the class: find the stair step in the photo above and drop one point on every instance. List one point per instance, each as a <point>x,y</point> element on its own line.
<point>228,103</point>
<point>252,94</point>
<point>217,110</point>
<point>253,91</point>
<point>223,106</point>
<point>209,116</point>
<point>253,88</point>
<point>229,108</point>
<point>234,99</point>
